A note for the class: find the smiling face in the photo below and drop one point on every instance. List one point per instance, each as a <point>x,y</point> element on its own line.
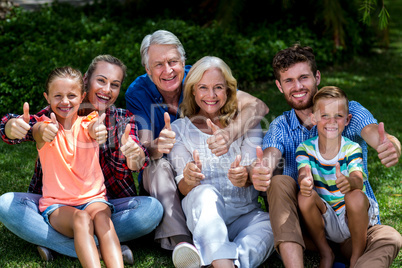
<point>64,97</point>
<point>211,93</point>
<point>166,68</point>
<point>331,116</point>
<point>104,85</point>
<point>299,85</point>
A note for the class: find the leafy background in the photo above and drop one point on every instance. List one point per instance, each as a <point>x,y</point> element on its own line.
<point>245,36</point>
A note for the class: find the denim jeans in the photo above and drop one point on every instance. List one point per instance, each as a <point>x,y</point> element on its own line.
<point>133,217</point>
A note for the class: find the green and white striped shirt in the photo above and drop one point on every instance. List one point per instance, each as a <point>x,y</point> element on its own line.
<point>350,159</point>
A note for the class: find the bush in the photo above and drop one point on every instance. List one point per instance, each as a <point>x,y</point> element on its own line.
<point>34,43</point>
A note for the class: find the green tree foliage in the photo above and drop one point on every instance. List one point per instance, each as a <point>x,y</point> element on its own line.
<point>331,18</point>
<point>368,7</point>
<point>334,15</point>
<point>33,43</point>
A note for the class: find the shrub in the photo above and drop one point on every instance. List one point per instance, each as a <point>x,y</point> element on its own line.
<point>34,43</point>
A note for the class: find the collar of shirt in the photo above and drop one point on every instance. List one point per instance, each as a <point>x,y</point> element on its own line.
<point>294,123</point>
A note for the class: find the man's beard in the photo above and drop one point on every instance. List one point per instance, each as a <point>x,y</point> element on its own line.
<point>300,106</point>
<point>303,106</point>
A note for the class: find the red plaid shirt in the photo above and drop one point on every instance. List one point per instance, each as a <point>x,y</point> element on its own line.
<point>119,180</point>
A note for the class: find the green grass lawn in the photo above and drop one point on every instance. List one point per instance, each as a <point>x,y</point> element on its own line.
<point>375,81</point>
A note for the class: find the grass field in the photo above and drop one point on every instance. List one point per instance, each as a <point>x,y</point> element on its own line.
<point>375,81</point>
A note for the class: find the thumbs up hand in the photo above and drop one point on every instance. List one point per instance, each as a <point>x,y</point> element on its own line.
<point>237,173</point>
<point>260,173</point>
<point>197,161</point>
<point>167,137</point>
<point>219,143</point>
<point>98,129</point>
<point>50,129</point>
<point>306,181</point>
<point>342,182</point>
<point>386,150</point>
<point>192,172</point>
<point>134,154</point>
<point>26,115</point>
<point>17,128</point>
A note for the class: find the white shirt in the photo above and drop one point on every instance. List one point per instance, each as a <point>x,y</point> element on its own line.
<point>215,169</point>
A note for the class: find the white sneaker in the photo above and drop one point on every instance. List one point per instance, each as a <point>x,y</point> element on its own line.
<point>186,255</point>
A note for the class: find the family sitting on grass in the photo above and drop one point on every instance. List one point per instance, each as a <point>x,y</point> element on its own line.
<point>203,161</point>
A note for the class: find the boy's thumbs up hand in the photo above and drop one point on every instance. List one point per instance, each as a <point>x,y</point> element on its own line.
<point>306,181</point>
<point>342,182</point>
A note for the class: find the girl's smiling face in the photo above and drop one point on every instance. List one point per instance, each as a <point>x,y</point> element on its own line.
<point>64,97</point>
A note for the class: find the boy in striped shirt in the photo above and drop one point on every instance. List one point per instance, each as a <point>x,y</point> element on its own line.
<point>332,198</point>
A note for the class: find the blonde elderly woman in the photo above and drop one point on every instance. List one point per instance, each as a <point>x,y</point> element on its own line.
<point>228,226</point>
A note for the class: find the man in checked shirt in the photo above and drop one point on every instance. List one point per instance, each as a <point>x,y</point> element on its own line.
<point>297,78</point>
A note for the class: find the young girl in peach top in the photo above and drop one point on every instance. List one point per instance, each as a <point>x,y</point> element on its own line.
<point>74,198</point>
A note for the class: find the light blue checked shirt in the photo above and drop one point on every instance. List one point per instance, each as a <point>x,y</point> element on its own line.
<point>286,133</point>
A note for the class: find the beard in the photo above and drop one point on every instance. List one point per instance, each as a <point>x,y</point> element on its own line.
<point>302,105</point>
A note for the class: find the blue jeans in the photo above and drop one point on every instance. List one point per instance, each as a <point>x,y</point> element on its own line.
<point>133,217</point>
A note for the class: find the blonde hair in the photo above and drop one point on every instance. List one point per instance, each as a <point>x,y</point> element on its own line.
<point>189,106</point>
<point>329,92</point>
<point>65,72</point>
